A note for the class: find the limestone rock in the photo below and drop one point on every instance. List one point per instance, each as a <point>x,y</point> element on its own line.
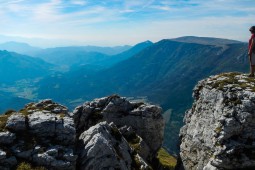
<point>104,147</point>
<point>16,122</point>
<point>42,124</point>
<point>56,157</point>
<point>48,119</point>
<point>145,119</point>
<point>219,128</point>
<point>7,138</point>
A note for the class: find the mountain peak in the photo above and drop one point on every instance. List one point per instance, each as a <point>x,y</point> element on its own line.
<point>19,47</point>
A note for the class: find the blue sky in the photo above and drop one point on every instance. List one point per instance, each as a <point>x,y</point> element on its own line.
<point>120,22</point>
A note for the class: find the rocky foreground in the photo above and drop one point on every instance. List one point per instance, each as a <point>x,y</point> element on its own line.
<point>107,133</point>
<point>219,131</point>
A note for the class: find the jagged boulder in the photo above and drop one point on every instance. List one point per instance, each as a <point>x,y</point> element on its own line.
<point>104,147</point>
<point>145,119</point>
<point>219,128</point>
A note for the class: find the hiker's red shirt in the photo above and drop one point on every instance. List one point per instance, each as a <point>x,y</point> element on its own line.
<point>252,37</point>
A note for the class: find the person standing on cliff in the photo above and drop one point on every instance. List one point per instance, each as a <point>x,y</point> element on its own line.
<point>251,51</point>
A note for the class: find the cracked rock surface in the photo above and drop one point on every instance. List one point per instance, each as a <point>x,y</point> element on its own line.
<point>219,128</point>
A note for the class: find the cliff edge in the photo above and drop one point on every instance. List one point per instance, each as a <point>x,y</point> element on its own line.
<point>219,128</point>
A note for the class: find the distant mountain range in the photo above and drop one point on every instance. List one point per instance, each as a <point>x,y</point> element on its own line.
<point>18,73</point>
<point>164,72</point>
<point>89,55</point>
<point>161,72</point>
<point>24,48</point>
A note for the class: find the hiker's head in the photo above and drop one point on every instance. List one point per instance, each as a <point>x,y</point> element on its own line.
<point>252,29</point>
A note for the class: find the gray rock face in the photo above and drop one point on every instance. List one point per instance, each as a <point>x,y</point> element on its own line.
<point>145,119</point>
<point>219,128</point>
<point>103,147</point>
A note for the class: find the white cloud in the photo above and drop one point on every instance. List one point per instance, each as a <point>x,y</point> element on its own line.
<point>47,12</point>
<point>161,7</point>
<point>78,2</point>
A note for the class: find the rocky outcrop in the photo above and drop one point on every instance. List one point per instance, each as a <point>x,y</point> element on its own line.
<point>219,128</point>
<point>107,133</point>
<point>145,120</point>
<point>41,133</point>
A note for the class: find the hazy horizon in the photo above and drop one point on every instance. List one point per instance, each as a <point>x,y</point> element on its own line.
<point>51,43</point>
<point>50,23</point>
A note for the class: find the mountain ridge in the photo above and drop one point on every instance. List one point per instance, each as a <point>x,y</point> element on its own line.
<point>205,40</point>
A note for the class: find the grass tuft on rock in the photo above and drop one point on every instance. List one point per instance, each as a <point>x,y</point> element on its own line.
<point>24,112</point>
<point>27,166</point>
<point>166,160</point>
<point>232,78</point>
